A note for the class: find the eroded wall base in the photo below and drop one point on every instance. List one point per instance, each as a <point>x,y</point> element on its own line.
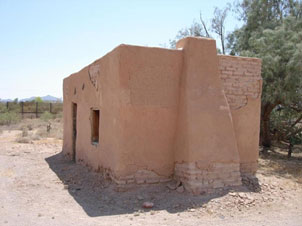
<point>141,177</point>
<point>198,179</point>
<point>248,169</point>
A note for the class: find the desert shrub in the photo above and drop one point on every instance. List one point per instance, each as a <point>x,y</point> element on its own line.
<point>24,132</point>
<point>36,137</point>
<point>59,115</point>
<point>8,118</point>
<point>23,140</point>
<point>3,107</point>
<point>30,127</point>
<point>27,139</point>
<point>46,116</point>
<point>42,132</point>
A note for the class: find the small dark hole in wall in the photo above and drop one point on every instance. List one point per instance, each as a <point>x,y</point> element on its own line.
<point>75,91</point>
<point>95,126</point>
<point>83,86</point>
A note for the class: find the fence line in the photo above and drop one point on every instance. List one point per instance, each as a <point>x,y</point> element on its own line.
<point>32,107</point>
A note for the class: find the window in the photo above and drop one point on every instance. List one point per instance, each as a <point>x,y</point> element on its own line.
<point>95,126</point>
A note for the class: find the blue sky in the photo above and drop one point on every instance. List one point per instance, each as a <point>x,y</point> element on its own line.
<point>43,41</point>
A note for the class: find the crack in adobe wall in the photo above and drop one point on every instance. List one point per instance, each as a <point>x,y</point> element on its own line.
<point>93,73</point>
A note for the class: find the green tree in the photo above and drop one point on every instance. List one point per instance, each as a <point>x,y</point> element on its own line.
<point>38,100</point>
<point>272,32</point>
<point>286,126</point>
<point>258,15</point>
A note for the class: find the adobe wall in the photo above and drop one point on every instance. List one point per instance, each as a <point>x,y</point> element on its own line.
<point>149,81</point>
<point>242,83</point>
<point>186,113</point>
<point>95,86</point>
<point>136,90</point>
<point>206,153</point>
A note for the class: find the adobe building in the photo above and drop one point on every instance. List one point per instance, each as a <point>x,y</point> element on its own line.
<point>146,115</point>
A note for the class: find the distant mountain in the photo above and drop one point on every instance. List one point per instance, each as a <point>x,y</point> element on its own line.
<point>51,98</point>
<point>27,99</point>
<point>6,100</point>
<point>47,98</point>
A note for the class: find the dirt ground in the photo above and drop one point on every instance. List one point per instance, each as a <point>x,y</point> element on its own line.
<point>39,187</point>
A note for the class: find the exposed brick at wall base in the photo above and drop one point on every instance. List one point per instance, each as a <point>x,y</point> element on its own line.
<point>140,177</point>
<point>197,179</point>
<point>248,169</point>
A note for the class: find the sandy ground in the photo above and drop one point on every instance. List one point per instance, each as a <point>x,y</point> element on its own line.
<point>39,187</point>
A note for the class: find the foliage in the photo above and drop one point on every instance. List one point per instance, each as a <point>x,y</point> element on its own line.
<point>14,107</point>
<point>257,16</point>
<point>8,118</point>
<point>281,52</point>
<point>38,100</point>
<point>286,124</point>
<point>46,116</point>
<point>3,107</point>
<point>59,115</point>
<point>272,31</point>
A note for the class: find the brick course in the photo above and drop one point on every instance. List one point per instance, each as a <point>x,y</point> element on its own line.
<point>198,179</point>
<point>241,79</point>
<point>140,177</point>
<point>248,169</point>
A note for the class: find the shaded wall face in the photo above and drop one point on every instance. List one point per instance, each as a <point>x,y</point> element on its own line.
<point>149,83</point>
<point>93,88</point>
<point>242,85</point>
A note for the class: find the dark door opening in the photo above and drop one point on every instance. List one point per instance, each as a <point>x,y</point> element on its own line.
<point>95,126</point>
<point>74,130</point>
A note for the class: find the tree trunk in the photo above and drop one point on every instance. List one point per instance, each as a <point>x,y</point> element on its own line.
<point>265,136</point>
<point>290,150</point>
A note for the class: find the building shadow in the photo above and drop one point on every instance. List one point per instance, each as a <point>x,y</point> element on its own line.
<point>100,197</point>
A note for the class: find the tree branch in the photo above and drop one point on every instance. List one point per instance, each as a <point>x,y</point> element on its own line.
<point>204,26</point>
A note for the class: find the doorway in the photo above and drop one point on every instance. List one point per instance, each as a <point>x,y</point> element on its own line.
<point>74,130</point>
<point>95,126</point>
